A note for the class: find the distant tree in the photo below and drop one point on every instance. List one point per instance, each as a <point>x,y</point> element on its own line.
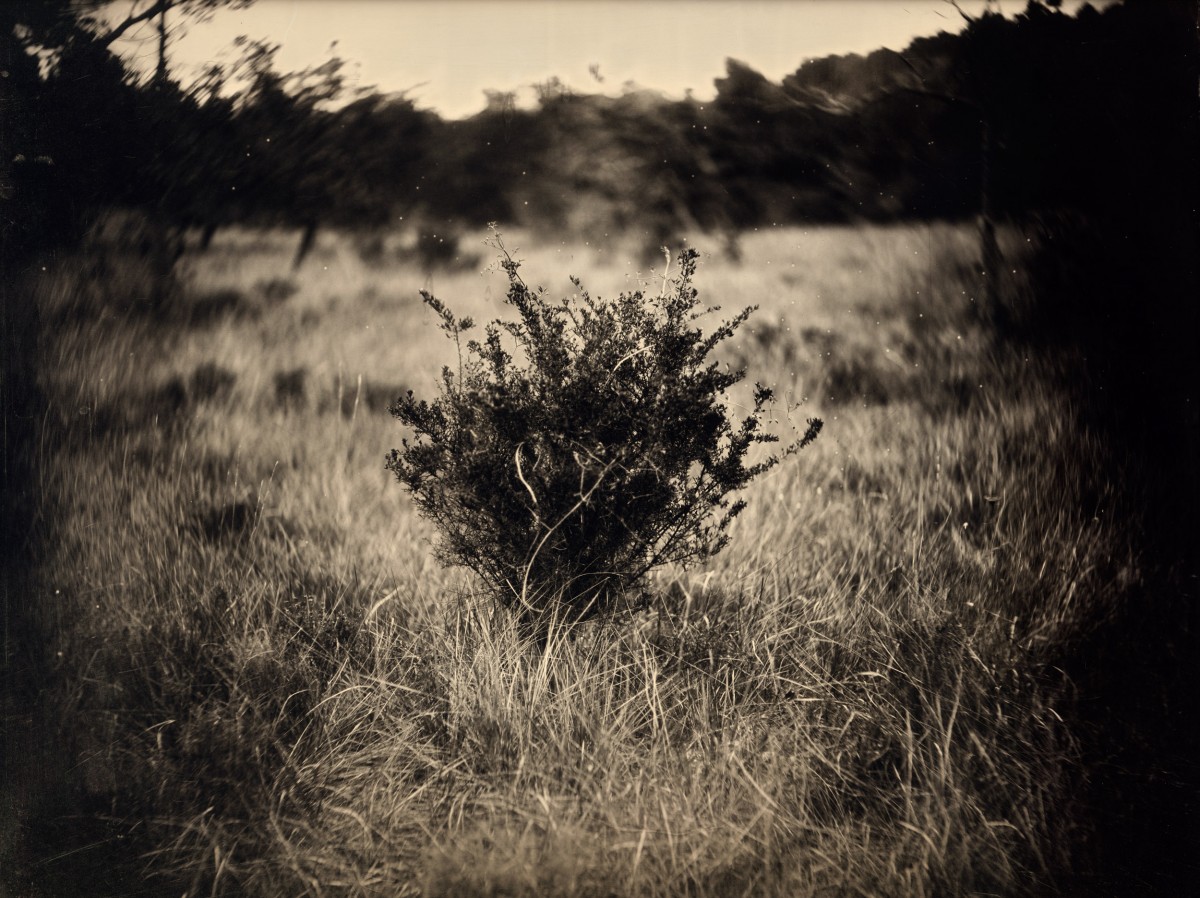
<point>100,137</point>
<point>780,158</point>
<point>979,61</point>
<point>282,131</point>
<point>111,21</point>
<point>306,164</point>
<point>1065,109</point>
<point>473,168</point>
<point>59,158</point>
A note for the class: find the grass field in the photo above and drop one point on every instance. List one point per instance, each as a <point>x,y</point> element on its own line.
<point>258,677</point>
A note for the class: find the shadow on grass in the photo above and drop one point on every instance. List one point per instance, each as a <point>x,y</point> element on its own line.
<point>1122,293</point>
<point>53,843</point>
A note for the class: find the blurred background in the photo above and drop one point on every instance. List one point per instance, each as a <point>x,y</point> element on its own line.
<point>198,116</point>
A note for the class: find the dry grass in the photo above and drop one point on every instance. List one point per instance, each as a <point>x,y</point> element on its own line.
<point>260,669</point>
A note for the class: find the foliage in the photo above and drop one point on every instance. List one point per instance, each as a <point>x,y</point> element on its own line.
<point>1075,106</point>
<point>563,481</point>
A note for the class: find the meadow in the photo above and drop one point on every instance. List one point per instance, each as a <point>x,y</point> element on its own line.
<point>260,681</point>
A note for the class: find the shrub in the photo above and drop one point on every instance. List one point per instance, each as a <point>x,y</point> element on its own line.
<point>442,252</point>
<point>563,475</point>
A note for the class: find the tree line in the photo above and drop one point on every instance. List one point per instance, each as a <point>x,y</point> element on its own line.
<point>1009,117</point>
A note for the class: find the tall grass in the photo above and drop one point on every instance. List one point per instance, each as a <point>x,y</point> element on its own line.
<point>269,687</point>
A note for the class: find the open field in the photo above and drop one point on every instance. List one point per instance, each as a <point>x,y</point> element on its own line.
<point>257,673</point>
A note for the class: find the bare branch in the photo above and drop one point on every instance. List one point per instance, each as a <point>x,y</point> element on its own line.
<point>966,18</point>
<point>136,19</point>
<point>521,475</point>
<point>945,98</point>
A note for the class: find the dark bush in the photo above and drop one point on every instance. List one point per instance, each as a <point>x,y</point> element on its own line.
<point>210,381</point>
<point>291,387</point>
<point>562,477</point>
<point>277,290</point>
<point>443,252</point>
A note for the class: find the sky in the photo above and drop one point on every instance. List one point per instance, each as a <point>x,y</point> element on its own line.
<point>446,53</point>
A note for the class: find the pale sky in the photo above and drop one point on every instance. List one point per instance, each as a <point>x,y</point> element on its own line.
<point>447,52</point>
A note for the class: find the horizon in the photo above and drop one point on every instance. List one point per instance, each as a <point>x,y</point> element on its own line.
<point>446,55</point>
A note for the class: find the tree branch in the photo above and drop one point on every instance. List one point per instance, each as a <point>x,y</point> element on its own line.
<point>966,18</point>
<point>136,19</point>
<point>945,98</point>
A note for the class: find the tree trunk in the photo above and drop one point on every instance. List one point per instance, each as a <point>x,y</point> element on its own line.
<point>306,244</point>
<point>160,75</point>
<point>206,236</point>
<point>991,261</point>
